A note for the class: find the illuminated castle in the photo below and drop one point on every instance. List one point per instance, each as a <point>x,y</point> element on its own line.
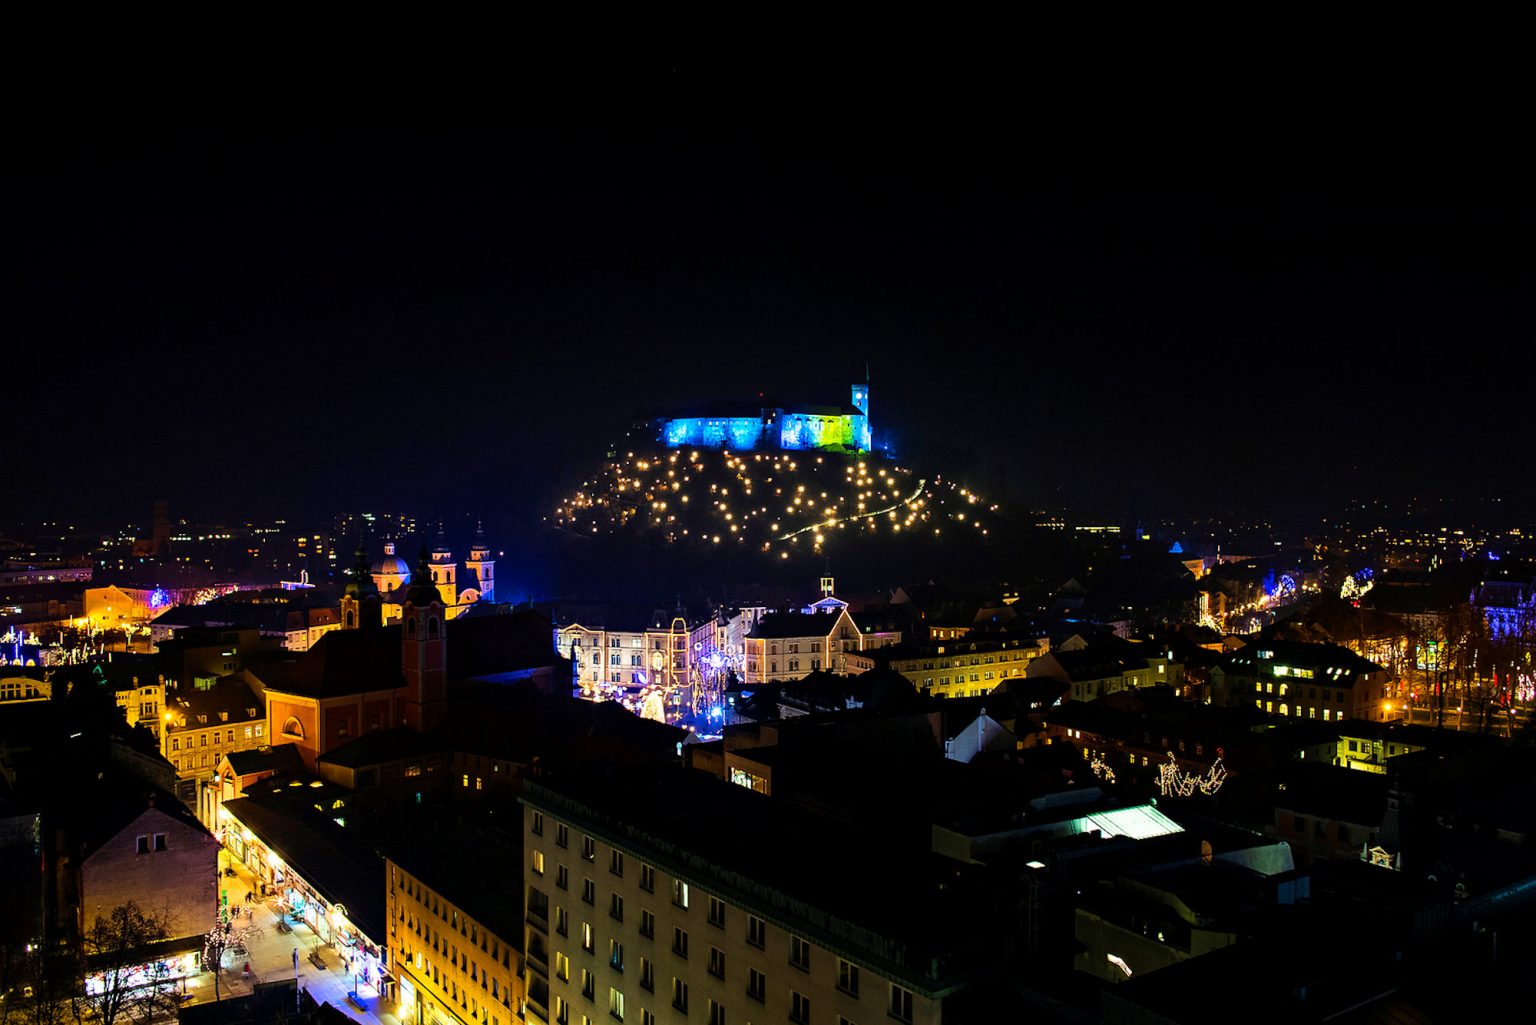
<point>743,428</point>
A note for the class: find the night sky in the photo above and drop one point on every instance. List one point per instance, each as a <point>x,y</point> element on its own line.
<point>294,310</point>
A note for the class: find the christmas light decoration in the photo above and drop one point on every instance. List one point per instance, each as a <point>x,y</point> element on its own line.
<point>1101,769</point>
<point>1173,781</point>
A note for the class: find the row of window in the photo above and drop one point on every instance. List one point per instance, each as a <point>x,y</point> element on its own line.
<point>1329,715</point>
<point>899,1006</point>
<point>250,733</point>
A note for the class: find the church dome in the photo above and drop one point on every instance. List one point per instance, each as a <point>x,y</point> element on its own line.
<point>391,571</point>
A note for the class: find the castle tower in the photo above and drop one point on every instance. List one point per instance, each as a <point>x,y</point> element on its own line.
<point>443,570</point>
<point>360,606</point>
<point>424,652</point>
<point>862,431</point>
<point>481,566</point>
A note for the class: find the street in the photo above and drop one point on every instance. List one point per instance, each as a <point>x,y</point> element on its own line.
<point>270,957</point>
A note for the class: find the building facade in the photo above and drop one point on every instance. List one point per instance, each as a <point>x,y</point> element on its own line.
<point>788,645</point>
<point>452,968</point>
<point>202,725</point>
<point>744,428</point>
<point>962,668</point>
<point>1303,681</point>
<point>621,929</point>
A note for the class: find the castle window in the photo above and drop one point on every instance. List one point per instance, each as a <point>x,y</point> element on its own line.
<point>351,619</point>
<point>432,627</point>
<point>293,729</point>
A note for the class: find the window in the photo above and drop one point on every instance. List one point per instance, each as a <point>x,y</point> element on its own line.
<point>588,891</point>
<point>561,920</point>
<point>562,835</point>
<point>800,953</point>
<point>757,984</point>
<point>716,1014</point>
<point>647,923</point>
<point>679,994</point>
<point>717,962</point>
<point>647,1018</point>
<point>616,955</point>
<point>616,863</point>
<point>616,1003</point>
<point>647,879</point>
<point>562,877</point>
<point>717,912</point>
<point>587,987</point>
<point>901,1003</point>
<point>799,1007</point>
<point>537,825</point>
<point>141,845</point>
<point>538,863</point>
<point>680,942</point>
<point>562,967</point>
<point>848,977</point>
<point>562,1011</point>
<point>647,975</point>
<point>587,943</point>
<point>292,728</point>
<point>616,907</point>
<point>757,929</point>
<point>588,849</point>
<point>159,841</point>
<point>680,893</point>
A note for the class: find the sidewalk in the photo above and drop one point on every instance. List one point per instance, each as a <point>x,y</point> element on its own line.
<point>270,954</point>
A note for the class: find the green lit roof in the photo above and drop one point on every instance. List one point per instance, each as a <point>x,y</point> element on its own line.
<point>1138,823</point>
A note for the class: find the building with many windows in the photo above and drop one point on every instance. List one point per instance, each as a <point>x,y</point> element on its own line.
<point>203,724</point>
<point>455,928</point>
<point>643,908</point>
<point>1302,681</point>
<point>789,645</point>
<point>618,649</point>
<point>962,668</point>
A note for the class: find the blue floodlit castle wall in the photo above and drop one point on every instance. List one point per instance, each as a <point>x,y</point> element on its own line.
<point>788,429</point>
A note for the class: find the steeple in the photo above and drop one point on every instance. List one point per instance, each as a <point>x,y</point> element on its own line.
<point>424,651</point>
<point>444,569</point>
<point>360,606</point>
<point>481,566</point>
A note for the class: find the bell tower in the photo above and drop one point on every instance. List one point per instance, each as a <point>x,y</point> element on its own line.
<point>424,652</point>
<point>443,570</point>
<point>481,566</point>
<point>360,608</point>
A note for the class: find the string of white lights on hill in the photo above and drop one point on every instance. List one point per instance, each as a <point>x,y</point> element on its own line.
<point>770,501</point>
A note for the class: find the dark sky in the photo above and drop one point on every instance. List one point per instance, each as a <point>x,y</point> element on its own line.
<point>290,305</point>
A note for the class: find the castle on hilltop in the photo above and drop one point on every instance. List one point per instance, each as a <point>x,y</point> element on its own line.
<point>743,427</point>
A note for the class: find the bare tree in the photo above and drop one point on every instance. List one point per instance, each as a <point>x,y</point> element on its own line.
<point>128,980</point>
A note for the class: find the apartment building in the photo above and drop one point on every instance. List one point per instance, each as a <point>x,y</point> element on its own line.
<point>789,645</point>
<point>202,725</point>
<point>955,669</point>
<point>1303,681</point>
<point>643,908</point>
<point>455,967</point>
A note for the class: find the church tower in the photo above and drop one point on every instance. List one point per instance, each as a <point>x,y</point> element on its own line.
<point>481,566</point>
<point>443,570</point>
<point>424,652</point>
<point>360,608</point>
